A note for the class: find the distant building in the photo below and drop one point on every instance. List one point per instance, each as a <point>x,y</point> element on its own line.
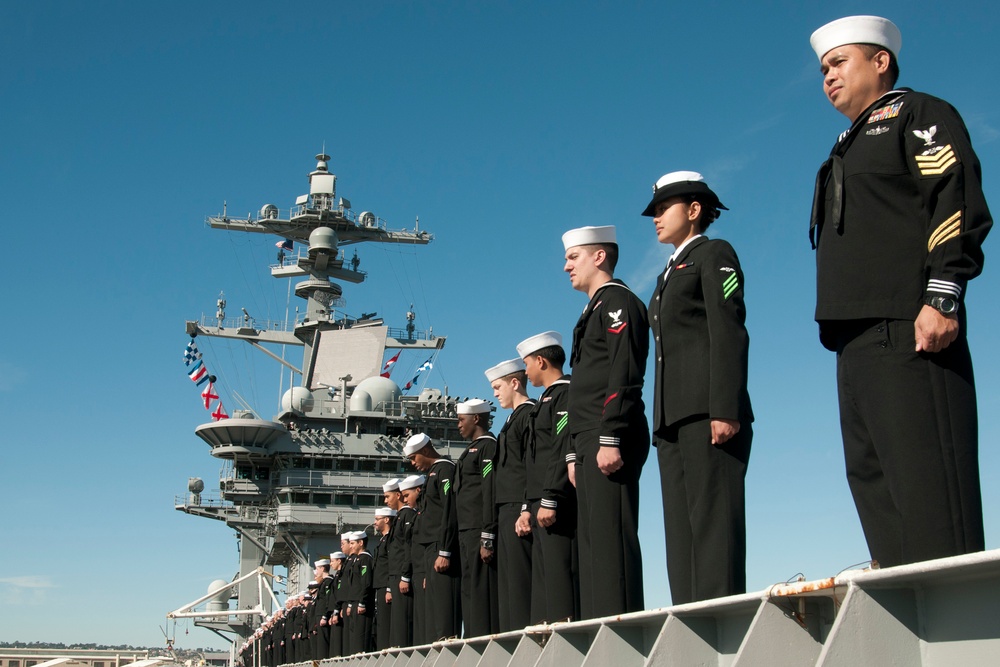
<point>53,657</point>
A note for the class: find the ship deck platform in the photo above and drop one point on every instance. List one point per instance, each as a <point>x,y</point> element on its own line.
<point>941,612</point>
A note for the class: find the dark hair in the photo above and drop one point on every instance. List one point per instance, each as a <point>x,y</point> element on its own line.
<point>554,354</point>
<point>484,419</point>
<point>709,210</point>
<point>871,49</point>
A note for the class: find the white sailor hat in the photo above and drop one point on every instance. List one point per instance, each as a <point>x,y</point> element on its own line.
<point>857,30</point>
<point>504,368</point>
<point>416,443</point>
<point>313,584</point>
<point>321,562</point>
<point>338,555</point>
<point>385,511</point>
<point>678,183</point>
<point>473,406</point>
<point>345,537</point>
<point>538,341</point>
<point>589,236</point>
<point>359,535</point>
<point>391,485</point>
<point>412,482</point>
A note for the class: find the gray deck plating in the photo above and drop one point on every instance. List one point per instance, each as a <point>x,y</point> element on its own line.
<point>942,612</point>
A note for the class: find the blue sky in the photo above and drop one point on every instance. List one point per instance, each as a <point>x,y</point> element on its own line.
<point>125,124</point>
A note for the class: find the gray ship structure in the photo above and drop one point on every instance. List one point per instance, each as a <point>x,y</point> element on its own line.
<point>289,486</point>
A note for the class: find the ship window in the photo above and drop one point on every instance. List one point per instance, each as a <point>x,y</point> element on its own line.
<point>345,464</point>
<point>321,498</point>
<point>388,466</point>
<point>300,498</point>
<point>323,464</point>
<point>14,663</point>
<point>300,462</point>
<point>283,499</point>
<point>344,499</point>
<point>30,663</point>
<point>368,501</point>
<point>262,474</point>
<point>98,664</point>
<point>244,472</point>
<point>368,464</point>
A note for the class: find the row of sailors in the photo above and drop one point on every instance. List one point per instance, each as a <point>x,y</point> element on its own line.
<point>472,547</point>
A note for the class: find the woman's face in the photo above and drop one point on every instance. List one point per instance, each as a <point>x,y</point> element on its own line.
<point>676,220</point>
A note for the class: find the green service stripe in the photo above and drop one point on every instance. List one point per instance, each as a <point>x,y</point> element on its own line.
<point>561,424</point>
<point>447,485</point>
<point>488,468</point>
<point>730,285</point>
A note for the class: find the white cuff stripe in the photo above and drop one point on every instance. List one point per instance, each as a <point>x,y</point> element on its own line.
<point>944,286</point>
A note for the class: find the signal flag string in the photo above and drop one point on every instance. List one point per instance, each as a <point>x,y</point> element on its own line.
<point>199,375</point>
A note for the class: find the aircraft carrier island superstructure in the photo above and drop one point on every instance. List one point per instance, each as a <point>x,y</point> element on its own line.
<point>289,486</point>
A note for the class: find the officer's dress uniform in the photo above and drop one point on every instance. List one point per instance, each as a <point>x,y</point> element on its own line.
<point>438,536</point>
<point>697,316</point>
<point>380,580</point>
<point>610,346</point>
<point>476,514</point>
<point>513,554</point>
<point>401,569</point>
<point>555,594</point>
<point>899,216</point>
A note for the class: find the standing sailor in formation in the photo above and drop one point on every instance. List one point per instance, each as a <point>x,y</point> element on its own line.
<point>436,531</point>
<point>899,219</point>
<point>702,425</point>
<point>550,509</point>
<point>608,425</point>
<point>477,519</point>
<point>403,558</point>
<point>384,519</point>
<point>513,551</point>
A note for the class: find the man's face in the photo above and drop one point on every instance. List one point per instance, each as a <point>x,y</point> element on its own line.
<point>345,546</point>
<point>381,524</point>
<point>392,499</point>
<point>581,265</point>
<point>357,546</point>
<point>467,426</point>
<point>419,461</point>
<point>533,369</point>
<point>851,80</point>
<point>410,496</point>
<point>503,391</point>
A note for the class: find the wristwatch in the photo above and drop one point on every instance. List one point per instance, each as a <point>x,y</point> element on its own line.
<point>943,304</point>
<point>486,544</point>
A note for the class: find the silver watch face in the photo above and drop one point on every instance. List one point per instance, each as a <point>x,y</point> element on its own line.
<point>945,305</point>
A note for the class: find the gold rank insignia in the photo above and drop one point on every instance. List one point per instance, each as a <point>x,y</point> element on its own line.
<point>947,230</point>
<point>938,163</point>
